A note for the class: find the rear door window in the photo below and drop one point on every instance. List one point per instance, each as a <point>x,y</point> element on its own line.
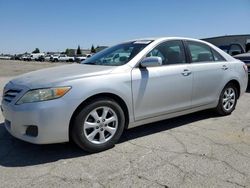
<point>200,52</point>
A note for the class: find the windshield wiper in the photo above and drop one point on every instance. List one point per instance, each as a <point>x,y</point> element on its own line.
<point>89,63</point>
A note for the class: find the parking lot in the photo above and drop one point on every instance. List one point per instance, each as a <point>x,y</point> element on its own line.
<point>196,150</point>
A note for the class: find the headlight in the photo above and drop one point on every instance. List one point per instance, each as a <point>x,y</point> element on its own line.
<point>43,94</point>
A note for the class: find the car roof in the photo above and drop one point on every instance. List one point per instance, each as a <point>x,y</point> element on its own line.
<point>159,39</point>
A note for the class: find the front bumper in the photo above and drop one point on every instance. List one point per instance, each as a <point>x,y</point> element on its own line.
<point>52,119</point>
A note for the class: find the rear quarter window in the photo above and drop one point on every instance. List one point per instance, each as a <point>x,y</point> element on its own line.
<point>217,56</point>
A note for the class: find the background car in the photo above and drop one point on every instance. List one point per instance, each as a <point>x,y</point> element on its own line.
<point>65,58</point>
<point>48,57</point>
<point>37,56</point>
<point>78,59</point>
<point>81,58</point>
<point>26,57</point>
<point>55,57</point>
<point>245,57</point>
<point>233,49</point>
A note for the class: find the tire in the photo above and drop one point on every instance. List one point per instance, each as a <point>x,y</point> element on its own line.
<point>225,98</point>
<point>90,131</point>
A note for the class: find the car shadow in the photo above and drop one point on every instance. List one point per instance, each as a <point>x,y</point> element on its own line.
<point>16,153</point>
<point>164,125</point>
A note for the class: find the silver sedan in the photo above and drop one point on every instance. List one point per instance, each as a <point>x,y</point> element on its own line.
<point>127,85</point>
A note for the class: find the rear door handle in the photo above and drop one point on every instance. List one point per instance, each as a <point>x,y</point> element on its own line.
<point>224,67</point>
<point>186,72</point>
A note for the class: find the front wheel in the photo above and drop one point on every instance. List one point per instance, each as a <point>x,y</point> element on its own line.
<point>228,100</point>
<point>99,125</point>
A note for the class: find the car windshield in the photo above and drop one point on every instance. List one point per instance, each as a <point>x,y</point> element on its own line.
<point>117,55</point>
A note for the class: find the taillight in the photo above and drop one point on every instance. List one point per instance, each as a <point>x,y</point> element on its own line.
<point>245,68</point>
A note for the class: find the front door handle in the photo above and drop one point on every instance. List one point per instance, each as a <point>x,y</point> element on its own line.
<point>186,72</point>
<point>224,67</point>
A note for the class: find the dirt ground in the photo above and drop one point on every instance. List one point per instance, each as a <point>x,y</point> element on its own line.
<point>196,150</point>
<point>13,68</point>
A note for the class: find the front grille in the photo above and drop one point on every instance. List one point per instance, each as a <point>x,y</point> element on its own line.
<point>11,94</point>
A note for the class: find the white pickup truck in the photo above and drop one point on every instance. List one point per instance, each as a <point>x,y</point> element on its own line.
<point>78,59</point>
<point>64,57</point>
<point>37,56</point>
<point>54,57</point>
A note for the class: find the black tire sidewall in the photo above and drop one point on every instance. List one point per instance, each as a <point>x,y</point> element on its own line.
<point>78,131</point>
<point>220,107</point>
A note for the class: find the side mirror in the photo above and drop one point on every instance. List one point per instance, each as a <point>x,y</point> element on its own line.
<point>151,62</point>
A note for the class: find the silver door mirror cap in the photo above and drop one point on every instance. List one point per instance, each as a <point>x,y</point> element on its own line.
<point>151,62</point>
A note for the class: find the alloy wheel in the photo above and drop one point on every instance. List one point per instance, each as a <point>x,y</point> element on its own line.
<point>229,98</point>
<point>100,125</point>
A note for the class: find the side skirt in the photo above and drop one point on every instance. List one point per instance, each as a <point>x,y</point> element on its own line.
<point>170,115</point>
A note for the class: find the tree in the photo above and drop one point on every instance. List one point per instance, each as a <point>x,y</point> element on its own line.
<point>78,51</point>
<point>93,49</point>
<point>67,51</point>
<point>36,51</point>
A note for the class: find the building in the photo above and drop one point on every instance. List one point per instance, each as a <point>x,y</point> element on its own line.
<point>243,40</point>
<point>72,52</point>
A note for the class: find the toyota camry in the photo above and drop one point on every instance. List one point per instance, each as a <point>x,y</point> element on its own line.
<point>130,84</point>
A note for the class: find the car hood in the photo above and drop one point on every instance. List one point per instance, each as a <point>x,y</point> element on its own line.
<point>51,76</point>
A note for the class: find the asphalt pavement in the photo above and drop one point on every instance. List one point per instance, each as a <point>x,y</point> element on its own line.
<point>196,150</point>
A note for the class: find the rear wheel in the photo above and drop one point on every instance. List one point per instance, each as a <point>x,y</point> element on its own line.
<point>99,125</point>
<point>228,100</point>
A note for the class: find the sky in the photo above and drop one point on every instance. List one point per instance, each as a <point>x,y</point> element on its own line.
<point>54,25</point>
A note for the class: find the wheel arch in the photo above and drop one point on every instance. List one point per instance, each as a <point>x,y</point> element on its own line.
<point>115,97</point>
<point>237,85</point>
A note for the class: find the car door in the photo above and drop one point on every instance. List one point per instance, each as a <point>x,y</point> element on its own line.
<point>208,68</point>
<point>163,89</point>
